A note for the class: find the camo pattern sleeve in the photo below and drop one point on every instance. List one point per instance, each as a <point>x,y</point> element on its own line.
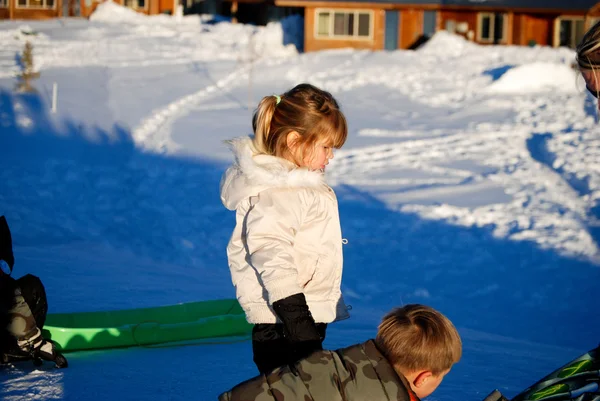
<point>356,373</point>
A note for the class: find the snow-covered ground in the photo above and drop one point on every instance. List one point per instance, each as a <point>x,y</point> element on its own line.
<point>470,182</point>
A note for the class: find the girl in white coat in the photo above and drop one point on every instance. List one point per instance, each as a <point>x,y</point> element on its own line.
<point>285,253</point>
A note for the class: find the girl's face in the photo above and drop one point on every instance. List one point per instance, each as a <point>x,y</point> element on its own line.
<point>592,82</point>
<point>590,74</point>
<point>318,157</point>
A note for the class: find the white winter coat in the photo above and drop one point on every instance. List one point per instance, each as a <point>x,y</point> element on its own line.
<point>287,237</point>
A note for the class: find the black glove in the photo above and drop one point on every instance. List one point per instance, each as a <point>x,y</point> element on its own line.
<point>41,349</point>
<point>299,327</point>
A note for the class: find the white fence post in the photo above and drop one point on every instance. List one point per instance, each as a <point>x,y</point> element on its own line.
<point>54,96</point>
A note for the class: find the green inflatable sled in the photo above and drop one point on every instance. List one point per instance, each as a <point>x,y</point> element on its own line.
<point>146,326</point>
<point>578,380</point>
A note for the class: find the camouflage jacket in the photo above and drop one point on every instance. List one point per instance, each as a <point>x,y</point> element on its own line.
<point>356,373</point>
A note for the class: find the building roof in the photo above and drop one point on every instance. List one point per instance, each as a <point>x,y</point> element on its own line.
<point>528,4</point>
<point>568,5</point>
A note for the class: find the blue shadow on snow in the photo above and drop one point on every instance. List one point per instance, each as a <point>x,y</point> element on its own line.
<point>74,183</point>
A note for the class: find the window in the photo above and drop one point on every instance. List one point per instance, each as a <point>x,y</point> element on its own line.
<point>491,27</point>
<point>36,3</point>
<point>343,24</point>
<point>570,31</point>
<point>429,23</point>
<point>135,4</point>
<point>3,3</point>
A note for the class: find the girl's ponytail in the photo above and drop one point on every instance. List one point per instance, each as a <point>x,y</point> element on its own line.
<point>261,124</point>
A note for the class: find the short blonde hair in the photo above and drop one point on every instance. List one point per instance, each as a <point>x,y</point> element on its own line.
<point>417,337</point>
<point>311,112</point>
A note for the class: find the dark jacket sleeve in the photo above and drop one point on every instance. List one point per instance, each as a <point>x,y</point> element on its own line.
<point>6,252</point>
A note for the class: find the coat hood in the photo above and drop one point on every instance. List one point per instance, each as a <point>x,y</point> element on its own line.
<point>252,173</point>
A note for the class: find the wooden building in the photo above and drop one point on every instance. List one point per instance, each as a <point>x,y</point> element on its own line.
<point>404,24</point>
<point>45,9</point>
<point>31,9</point>
<point>370,24</point>
<point>257,12</point>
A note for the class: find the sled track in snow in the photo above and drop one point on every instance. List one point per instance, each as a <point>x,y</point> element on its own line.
<point>154,133</point>
<point>540,198</point>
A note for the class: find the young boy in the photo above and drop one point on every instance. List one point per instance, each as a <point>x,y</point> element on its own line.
<point>414,349</point>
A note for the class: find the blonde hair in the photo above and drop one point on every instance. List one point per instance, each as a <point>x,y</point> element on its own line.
<point>311,112</point>
<point>590,45</point>
<point>417,337</point>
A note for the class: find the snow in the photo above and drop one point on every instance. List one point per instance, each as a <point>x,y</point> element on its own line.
<point>469,182</point>
<point>536,77</point>
<point>112,13</point>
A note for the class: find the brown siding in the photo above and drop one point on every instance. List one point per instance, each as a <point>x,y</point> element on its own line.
<point>27,13</point>
<point>153,7</point>
<point>411,27</point>
<point>165,5</point>
<point>509,28</point>
<point>533,28</point>
<point>311,43</point>
<point>517,29</point>
<point>4,13</point>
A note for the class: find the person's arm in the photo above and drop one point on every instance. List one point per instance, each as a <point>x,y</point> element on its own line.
<point>271,226</point>
<point>270,232</point>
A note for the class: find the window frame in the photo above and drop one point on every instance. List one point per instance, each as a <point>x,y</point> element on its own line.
<point>346,11</point>
<point>572,18</point>
<point>29,7</point>
<point>145,8</point>
<point>492,17</point>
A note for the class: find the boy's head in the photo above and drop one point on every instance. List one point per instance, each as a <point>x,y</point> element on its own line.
<point>421,344</point>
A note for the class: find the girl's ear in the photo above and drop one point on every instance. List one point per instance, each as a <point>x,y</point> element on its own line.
<point>292,140</point>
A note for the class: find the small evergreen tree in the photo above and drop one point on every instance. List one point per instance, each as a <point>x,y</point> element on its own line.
<point>27,70</point>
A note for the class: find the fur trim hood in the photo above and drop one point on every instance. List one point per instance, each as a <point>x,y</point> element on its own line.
<point>252,173</point>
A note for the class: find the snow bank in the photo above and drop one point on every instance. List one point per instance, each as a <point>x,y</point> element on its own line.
<point>536,77</point>
<point>112,12</point>
<point>279,38</point>
<point>254,41</point>
<point>444,43</point>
